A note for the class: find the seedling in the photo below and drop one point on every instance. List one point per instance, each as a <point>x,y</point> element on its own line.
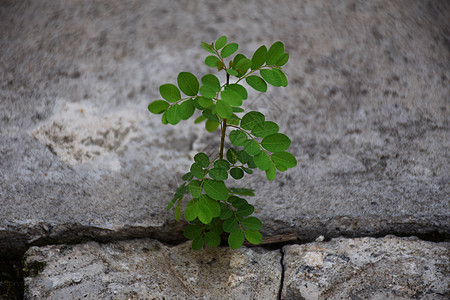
<point>216,207</point>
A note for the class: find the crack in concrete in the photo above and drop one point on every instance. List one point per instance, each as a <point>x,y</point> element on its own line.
<point>280,290</point>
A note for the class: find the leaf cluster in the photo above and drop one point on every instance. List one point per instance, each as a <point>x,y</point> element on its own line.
<point>215,209</point>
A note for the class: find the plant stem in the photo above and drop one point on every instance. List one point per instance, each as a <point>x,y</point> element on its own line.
<point>224,127</point>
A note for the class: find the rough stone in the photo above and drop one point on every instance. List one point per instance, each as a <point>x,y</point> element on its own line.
<point>366,107</point>
<point>367,268</point>
<point>147,269</point>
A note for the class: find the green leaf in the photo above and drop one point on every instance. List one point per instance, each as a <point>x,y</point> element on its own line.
<point>275,52</point>
<point>200,119</point>
<point>245,210</point>
<point>253,236</point>
<point>232,155</point>
<point>284,81</point>
<point>237,201</point>
<point>251,119</point>
<point>242,191</point>
<point>215,189</point>
<point>237,88</point>
<point>230,224</point>
<point>211,61</point>
<point>265,128</point>
<point>187,177</point>
<point>238,137</point>
<point>210,116</point>
<point>229,50</point>
<point>243,156</point>
<point>186,109</point>
<point>284,159</point>
<point>173,116</point>
<point>276,142</point>
<point>164,118</point>
<point>251,147</point>
<point>257,83</point>
<point>192,231</point>
<point>158,106</point>
<point>259,57</point>
<point>178,211</point>
<point>271,172</point>
<point>236,59</point>
<point>283,59</point>
<point>208,92</point>
<point>205,102</point>
<point>247,170</point>
<point>212,239</point>
<point>243,65</point>
<point>191,210</point>
<point>208,47</point>
<point>213,205</point>
<point>225,212</point>
<point>236,173</point>
<point>224,109</point>
<point>218,174</point>
<point>171,203</point>
<point>236,239</point>
<point>207,209</point>
<point>271,77</point>
<point>188,83</point>
<point>262,161</point>
<point>222,41</point>
<point>202,159</point>
<point>197,243</point>
<point>233,120</point>
<point>197,170</point>
<point>220,65</point>
<point>232,72</point>
<point>195,189</point>
<point>222,164</point>
<point>252,223</point>
<point>180,191</point>
<point>170,92</point>
<point>211,126</point>
<point>211,80</point>
<point>231,97</point>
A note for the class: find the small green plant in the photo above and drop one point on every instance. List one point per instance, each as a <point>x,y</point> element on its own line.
<point>213,207</point>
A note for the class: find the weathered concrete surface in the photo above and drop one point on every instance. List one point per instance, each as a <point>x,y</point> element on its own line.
<point>146,269</point>
<point>367,268</point>
<point>367,109</point>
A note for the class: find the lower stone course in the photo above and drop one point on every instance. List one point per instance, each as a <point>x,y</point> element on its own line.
<point>361,268</point>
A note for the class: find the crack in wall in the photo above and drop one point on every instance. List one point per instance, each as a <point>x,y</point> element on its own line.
<point>280,290</point>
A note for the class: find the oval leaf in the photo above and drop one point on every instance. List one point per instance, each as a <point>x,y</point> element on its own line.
<point>222,41</point>
<point>172,114</point>
<point>262,161</point>
<point>237,137</point>
<point>252,223</point>
<point>195,189</point>
<point>188,83</point>
<point>253,236</point>
<point>236,239</point>
<point>276,142</point>
<point>259,57</point>
<point>211,126</point>
<point>158,106</point>
<point>283,59</point>
<point>271,77</point>
<point>284,81</point>
<point>265,128</point>
<point>197,243</point>
<point>202,159</point>
<point>216,189</point>
<point>232,155</point>
<point>231,97</point>
<point>208,47</point>
<point>229,50</point>
<point>284,159</point>
<point>251,147</point>
<point>257,83</point>
<point>186,110</point>
<point>236,173</point>
<point>239,89</point>
<point>224,109</point>
<point>218,174</point>
<point>211,61</point>
<point>170,92</point>
<point>212,239</point>
<point>211,80</point>
<point>275,52</point>
<point>191,211</point>
<point>192,231</point>
<point>251,119</point>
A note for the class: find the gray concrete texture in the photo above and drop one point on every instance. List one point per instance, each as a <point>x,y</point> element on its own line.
<point>366,107</point>
<point>359,268</point>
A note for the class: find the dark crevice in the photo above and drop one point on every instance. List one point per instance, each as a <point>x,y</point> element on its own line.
<point>280,290</point>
